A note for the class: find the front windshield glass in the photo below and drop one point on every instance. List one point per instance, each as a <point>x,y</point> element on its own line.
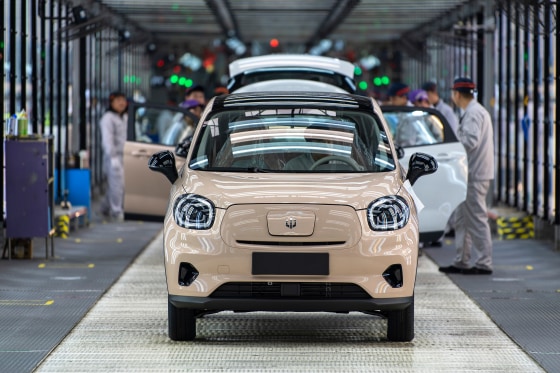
<point>292,140</point>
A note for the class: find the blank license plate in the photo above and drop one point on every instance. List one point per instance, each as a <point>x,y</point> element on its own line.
<point>290,264</point>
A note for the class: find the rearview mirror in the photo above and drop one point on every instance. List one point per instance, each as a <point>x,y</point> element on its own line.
<point>164,162</point>
<point>420,164</point>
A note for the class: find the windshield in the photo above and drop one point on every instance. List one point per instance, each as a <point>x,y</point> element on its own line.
<point>316,75</point>
<point>292,140</point>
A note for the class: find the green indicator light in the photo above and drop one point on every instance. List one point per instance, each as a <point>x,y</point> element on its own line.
<point>188,83</point>
<point>175,7</point>
<point>363,85</point>
<point>125,78</point>
<point>2,44</point>
<point>133,79</point>
<point>174,79</point>
<point>357,70</point>
<point>385,80</point>
<point>377,81</point>
<point>182,81</point>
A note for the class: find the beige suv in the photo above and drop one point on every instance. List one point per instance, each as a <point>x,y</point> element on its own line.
<point>291,202</point>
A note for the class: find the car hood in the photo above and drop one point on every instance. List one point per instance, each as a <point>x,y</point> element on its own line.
<point>227,189</point>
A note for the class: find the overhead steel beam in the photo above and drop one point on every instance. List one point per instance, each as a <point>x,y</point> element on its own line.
<point>225,17</point>
<point>336,15</point>
<point>447,20</point>
<point>111,19</point>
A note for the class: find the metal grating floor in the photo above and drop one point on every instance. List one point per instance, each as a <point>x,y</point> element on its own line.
<point>42,300</point>
<point>522,296</point>
<point>126,331</point>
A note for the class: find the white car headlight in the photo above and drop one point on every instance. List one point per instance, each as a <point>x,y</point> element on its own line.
<point>388,213</point>
<point>193,212</point>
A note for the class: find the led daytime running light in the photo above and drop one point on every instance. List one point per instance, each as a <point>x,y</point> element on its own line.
<point>193,212</point>
<point>388,213</point>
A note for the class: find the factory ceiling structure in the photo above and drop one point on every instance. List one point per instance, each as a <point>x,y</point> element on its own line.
<point>297,25</point>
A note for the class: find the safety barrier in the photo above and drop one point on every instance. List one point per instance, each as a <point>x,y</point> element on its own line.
<point>69,219</point>
<point>509,228</point>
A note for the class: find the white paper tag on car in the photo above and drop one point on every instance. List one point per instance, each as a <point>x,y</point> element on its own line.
<point>417,202</point>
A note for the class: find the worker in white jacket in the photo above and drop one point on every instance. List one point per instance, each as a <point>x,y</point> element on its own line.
<point>472,230</point>
<point>113,125</point>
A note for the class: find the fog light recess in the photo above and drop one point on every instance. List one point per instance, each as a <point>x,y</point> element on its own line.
<point>394,275</point>
<point>187,274</point>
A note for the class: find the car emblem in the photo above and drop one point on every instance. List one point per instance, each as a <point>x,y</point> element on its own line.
<point>291,223</point>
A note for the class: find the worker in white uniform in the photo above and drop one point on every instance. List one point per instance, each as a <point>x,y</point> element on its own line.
<point>113,125</point>
<point>472,229</point>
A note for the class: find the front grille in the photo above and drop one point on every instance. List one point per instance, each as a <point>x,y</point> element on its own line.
<point>283,243</point>
<point>273,290</point>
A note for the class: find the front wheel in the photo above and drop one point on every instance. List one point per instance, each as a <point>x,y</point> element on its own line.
<point>400,324</point>
<point>182,323</point>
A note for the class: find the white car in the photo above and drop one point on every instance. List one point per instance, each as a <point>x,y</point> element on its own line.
<point>289,72</point>
<point>426,130</point>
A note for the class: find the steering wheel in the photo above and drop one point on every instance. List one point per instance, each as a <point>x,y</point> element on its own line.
<point>349,161</point>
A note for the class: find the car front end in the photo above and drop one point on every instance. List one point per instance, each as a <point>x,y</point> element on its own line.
<point>291,202</point>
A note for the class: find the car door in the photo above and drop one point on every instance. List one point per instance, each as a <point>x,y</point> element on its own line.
<point>151,128</point>
<point>426,130</point>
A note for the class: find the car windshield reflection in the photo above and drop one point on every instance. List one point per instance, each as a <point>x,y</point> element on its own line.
<point>292,140</point>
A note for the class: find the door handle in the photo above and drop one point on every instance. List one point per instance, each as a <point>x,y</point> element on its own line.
<point>444,157</point>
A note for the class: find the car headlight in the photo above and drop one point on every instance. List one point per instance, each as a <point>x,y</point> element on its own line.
<point>193,211</point>
<point>388,213</point>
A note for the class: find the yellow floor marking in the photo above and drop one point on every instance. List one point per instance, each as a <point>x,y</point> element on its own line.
<point>66,265</point>
<point>30,302</point>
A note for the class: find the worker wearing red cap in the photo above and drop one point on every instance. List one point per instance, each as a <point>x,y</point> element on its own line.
<point>398,94</point>
<point>472,229</point>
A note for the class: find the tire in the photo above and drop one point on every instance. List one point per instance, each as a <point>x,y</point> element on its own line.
<point>181,322</point>
<point>400,324</point>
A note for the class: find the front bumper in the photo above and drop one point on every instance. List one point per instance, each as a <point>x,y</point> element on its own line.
<point>290,304</point>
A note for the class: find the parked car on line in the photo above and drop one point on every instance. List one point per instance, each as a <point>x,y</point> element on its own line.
<point>426,130</point>
<point>290,72</point>
<point>291,202</point>
<point>146,195</point>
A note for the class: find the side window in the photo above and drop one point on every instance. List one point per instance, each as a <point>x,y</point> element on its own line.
<point>415,128</point>
<point>164,125</point>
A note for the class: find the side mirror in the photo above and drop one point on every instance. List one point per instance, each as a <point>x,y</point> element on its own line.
<point>164,162</point>
<point>420,164</point>
<point>182,148</point>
